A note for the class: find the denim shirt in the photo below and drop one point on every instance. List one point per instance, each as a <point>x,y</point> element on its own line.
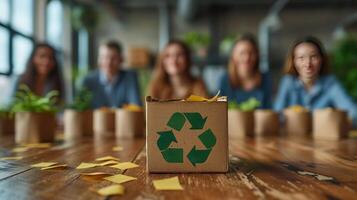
<point>326,92</point>
<point>122,90</point>
<point>262,93</point>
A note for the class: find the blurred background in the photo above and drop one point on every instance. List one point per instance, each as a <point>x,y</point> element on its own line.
<point>77,27</point>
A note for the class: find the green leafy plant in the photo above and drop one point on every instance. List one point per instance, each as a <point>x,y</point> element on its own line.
<point>249,105</point>
<point>82,101</point>
<point>197,40</point>
<point>27,101</point>
<point>226,44</point>
<point>344,62</point>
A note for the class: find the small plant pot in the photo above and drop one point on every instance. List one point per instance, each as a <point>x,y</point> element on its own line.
<point>129,124</point>
<point>297,123</point>
<point>266,123</point>
<point>7,125</point>
<point>104,123</point>
<point>240,123</point>
<point>77,124</point>
<point>33,127</point>
<point>330,124</point>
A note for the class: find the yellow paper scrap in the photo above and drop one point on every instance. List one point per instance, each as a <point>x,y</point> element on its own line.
<point>125,165</point>
<point>44,164</point>
<point>85,165</point>
<point>37,145</point>
<point>117,148</point>
<point>297,108</point>
<point>120,178</point>
<point>20,149</point>
<point>101,174</point>
<point>168,184</point>
<point>105,158</point>
<point>132,107</point>
<point>111,190</point>
<point>200,98</point>
<point>55,167</point>
<point>12,158</point>
<point>110,162</point>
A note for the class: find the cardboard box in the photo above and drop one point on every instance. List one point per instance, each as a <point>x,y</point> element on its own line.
<point>7,125</point>
<point>186,136</point>
<point>297,123</point>
<point>240,123</point>
<point>139,57</point>
<point>266,122</point>
<point>104,122</point>
<point>330,124</point>
<point>34,127</point>
<point>77,124</point>
<point>129,124</point>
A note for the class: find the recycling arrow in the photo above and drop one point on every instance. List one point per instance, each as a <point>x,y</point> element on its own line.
<point>177,122</point>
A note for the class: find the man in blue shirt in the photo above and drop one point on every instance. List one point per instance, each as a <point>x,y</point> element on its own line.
<point>110,85</point>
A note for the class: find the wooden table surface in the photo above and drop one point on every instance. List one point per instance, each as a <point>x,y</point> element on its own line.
<point>260,168</point>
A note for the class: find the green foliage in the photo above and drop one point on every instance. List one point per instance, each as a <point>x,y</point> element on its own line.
<point>27,101</point>
<point>84,16</point>
<point>197,40</point>
<point>226,44</point>
<point>82,101</point>
<point>344,63</point>
<point>249,105</point>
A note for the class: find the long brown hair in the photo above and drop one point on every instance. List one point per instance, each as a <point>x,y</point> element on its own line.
<point>30,75</point>
<point>160,86</point>
<point>289,67</point>
<point>232,68</point>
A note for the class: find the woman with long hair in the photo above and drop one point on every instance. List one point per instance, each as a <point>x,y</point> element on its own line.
<point>244,80</point>
<point>172,78</point>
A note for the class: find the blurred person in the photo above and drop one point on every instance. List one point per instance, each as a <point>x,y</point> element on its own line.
<point>244,79</point>
<point>172,78</point>
<point>110,85</point>
<point>308,83</point>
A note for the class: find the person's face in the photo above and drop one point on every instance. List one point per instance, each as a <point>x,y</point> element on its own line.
<point>174,61</point>
<point>109,60</point>
<point>44,61</point>
<point>307,61</point>
<point>244,57</point>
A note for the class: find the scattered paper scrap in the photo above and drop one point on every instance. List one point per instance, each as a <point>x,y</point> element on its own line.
<point>44,164</point>
<point>120,178</point>
<point>168,184</point>
<point>85,165</point>
<point>105,158</point>
<point>117,148</point>
<point>110,162</point>
<point>12,158</point>
<point>95,174</point>
<point>111,190</point>
<point>20,149</point>
<point>125,165</point>
<point>55,167</point>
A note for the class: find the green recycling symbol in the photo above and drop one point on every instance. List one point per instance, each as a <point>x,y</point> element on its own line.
<point>176,122</point>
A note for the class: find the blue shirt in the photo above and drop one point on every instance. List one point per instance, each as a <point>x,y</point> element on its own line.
<point>262,93</point>
<point>123,89</point>
<point>326,92</point>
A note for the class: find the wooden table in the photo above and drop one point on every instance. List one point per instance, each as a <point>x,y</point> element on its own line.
<point>260,168</point>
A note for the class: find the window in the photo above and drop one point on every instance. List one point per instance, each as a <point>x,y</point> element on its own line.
<point>16,34</point>
<point>54,24</point>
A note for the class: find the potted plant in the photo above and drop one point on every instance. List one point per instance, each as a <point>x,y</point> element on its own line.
<point>241,118</point>
<point>129,122</point>
<point>266,122</point>
<point>35,119</point>
<point>104,122</point>
<point>7,124</point>
<point>330,124</point>
<point>199,42</point>
<point>78,118</point>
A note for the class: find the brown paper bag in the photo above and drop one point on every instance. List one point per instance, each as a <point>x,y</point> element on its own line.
<point>240,123</point>
<point>7,125</point>
<point>129,124</point>
<point>34,127</point>
<point>104,123</point>
<point>330,124</point>
<point>266,122</point>
<point>297,122</point>
<point>77,124</point>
